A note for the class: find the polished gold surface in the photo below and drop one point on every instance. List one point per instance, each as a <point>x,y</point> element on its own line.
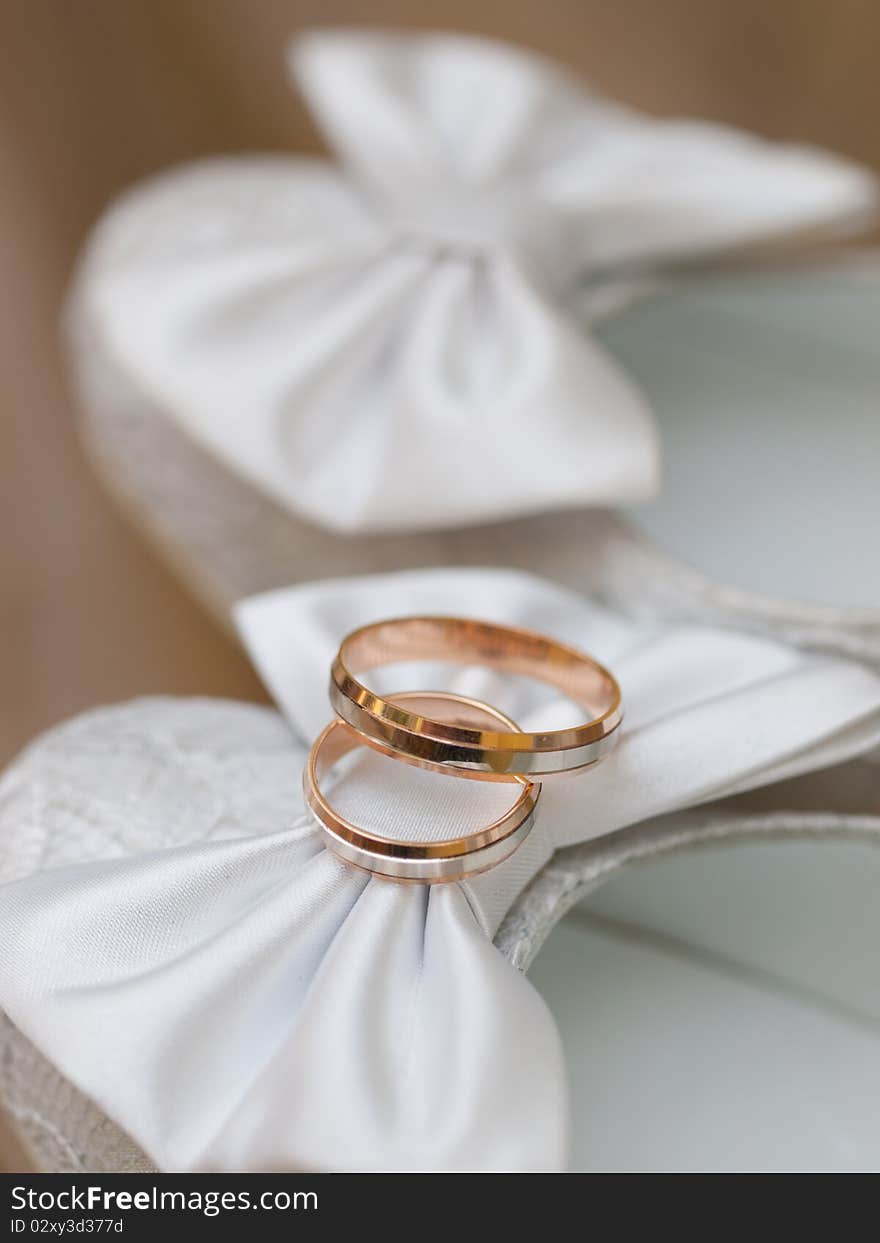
<point>486,755</point>
<point>407,859</point>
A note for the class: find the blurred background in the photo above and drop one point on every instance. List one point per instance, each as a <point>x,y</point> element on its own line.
<point>97,94</point>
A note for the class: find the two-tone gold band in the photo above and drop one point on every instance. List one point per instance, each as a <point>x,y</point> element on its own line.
<point>452,734</point>
<point>397,859</point>
<point>484,754</point>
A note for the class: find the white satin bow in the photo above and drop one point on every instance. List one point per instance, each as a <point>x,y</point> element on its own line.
<point>387,343</point>
<point>252,1004</point>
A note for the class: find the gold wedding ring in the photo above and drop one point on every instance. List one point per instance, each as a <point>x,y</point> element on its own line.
<point>452,734</point>
<point>401,730</point>
<point>406,860</point>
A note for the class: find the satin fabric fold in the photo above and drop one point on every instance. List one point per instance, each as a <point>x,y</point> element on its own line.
<point>388,342</point>
<point>252,1003</point>
<point>233,972</point>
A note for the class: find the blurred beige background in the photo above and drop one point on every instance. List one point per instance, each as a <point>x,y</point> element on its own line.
<point>97,93</point>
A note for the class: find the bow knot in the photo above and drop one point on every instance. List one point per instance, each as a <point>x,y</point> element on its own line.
<point>483,224</point>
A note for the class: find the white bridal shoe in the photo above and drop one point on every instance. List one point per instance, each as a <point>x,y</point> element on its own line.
<point>254,337</point>
<point>207,901</point>
<point>712,976</point>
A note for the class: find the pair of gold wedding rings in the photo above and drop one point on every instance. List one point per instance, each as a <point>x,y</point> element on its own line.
<point>452,734</point>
